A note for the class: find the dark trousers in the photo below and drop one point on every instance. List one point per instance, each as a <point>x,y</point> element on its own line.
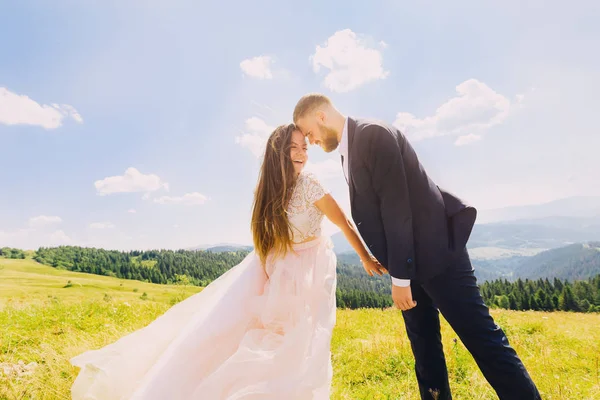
<point>456,295</point>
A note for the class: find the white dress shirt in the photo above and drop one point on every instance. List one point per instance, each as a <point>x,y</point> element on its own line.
<point>343,148</point>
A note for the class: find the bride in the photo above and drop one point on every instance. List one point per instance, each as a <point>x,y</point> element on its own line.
<point>262,330</point>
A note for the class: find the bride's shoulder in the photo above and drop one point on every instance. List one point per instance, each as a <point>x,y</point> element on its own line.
<point>307,177</point>
<point>311,185</point>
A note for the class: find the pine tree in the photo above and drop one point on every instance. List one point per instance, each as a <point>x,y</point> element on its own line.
<point>566,301</point>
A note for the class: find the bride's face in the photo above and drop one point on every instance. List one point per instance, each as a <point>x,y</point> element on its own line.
<point>298,152</point>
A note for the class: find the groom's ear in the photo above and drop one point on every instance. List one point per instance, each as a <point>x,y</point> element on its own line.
<point>321,116</point>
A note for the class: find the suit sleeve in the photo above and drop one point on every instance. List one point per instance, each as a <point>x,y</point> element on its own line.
<point>388,178</point>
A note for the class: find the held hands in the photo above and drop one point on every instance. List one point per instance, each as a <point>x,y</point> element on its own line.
<point>402,297</point>
<point>371,265</point>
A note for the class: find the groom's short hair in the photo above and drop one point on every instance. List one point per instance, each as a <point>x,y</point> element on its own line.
<point>308,103</point>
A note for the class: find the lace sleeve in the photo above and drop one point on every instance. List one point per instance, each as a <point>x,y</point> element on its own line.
<point>314,189</point>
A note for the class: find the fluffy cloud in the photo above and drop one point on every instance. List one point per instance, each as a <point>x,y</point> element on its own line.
<point>43,220</point>
<point>131,211</point>
<point>8,237</point>
<point>476,107</point>
<point>102,225</point>
<point>33,239</point>
<point>328,169</point>
<point>256,138</point>
<point>188,199</point>
<point>258,67</point>
<point>467,139</point>
<point>350,60</point>
<point>131,182</point>
<point>21,110</point>
<point>59,238</point>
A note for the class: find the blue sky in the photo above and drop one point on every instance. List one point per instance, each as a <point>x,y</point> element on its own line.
<point>160,106</point>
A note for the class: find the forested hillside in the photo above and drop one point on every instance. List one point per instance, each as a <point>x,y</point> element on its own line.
<point>355,288</point>
<point>544,295</point>
<point>156,266</point>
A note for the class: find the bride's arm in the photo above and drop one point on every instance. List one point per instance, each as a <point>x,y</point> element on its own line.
<point>335,214</point>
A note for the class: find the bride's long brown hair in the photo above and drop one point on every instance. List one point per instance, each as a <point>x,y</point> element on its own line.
<point>270,225</point>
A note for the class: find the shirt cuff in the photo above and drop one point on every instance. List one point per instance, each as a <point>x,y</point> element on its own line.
<point>400,282</point>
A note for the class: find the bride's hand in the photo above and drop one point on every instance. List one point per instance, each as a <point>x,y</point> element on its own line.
<point>371,265</point>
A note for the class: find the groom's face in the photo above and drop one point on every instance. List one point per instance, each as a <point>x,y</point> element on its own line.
<point>318,132</point>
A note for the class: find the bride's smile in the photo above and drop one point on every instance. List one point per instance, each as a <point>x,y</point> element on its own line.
<point>298,152</point>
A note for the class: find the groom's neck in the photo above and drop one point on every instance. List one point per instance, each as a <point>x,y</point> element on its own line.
<point>339,120</point>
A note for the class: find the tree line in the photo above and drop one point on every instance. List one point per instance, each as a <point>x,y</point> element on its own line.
<point>155,266</point>
<point>8,252</point>
<point>355,289</point>
<point>543,294</point>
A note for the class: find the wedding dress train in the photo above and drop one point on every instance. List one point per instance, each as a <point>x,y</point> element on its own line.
<point>245,336</point>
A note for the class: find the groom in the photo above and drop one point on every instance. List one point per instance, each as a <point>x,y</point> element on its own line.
<point>419,233</point>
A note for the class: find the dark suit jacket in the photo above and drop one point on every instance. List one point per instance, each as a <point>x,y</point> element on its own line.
<point>414,228</point>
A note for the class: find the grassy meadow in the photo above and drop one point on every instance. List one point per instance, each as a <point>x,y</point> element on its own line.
<point>49,315</point>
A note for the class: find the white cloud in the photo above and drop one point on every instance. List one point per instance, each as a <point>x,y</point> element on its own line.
<point>475,108</point>
<point>188,199</point>
<point>43,220</point>
<point>328,169</point>
<point>258,125</point>
<point>350,61</point>
<point>132,181</point>
<point>131,211</point>
<point>59,237</point>
<point>256,139</point>
<point>258,67</point>
<point>21,110</point>
<point>467,139</point>
<point>102,225</point>
<point>7,237</point>
<point>33,239</point>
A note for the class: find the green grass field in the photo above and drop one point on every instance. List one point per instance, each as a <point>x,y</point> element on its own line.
<point>49,315</point>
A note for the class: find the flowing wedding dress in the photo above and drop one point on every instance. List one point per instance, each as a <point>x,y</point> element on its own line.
<point>251,334</point>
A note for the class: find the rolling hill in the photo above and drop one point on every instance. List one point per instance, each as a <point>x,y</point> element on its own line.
<point>570,207</point>
<point>532,241</point>
<point>510,231</point>
<point>521,236</point>
<point>572,262</point>
<point>543,233</point>
<point>221,247</point>
<point>527,229</point>
<point>49,315</point>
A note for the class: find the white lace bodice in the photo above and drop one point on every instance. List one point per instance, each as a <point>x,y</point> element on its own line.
<point>305,218</point>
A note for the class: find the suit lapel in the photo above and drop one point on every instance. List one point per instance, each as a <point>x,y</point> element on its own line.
<point>351,131</point>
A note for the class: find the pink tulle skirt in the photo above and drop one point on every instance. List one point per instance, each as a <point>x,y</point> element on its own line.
<point>245,336</point>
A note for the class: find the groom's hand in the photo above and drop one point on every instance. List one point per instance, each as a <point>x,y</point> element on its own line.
<point>402,297</point>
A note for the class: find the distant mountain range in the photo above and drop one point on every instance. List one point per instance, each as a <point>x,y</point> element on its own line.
<point>577,207</point>
<point>221,247</point>
<point>556,239</point>
<point>541,233</point>
<point>527,230</point>
<point>572,262</point>
<point>518,237</point>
